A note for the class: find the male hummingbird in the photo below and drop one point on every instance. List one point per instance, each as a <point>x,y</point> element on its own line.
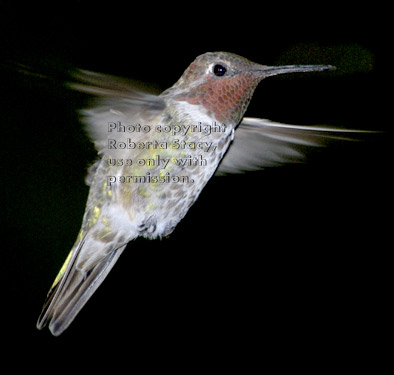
<point>156,153</point>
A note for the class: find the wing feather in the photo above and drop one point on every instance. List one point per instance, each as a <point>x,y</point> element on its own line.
<point>117,100</point>
<point>261,143</point>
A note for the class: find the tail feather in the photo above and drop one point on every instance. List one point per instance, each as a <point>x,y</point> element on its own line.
<point>59,286</point>
<point>73,289</point>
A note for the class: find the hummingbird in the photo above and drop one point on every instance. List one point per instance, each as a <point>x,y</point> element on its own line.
<point>155,155</point>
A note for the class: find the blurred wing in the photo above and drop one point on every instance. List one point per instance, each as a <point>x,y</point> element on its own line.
<point>119,100</point>
<point>260,143</point>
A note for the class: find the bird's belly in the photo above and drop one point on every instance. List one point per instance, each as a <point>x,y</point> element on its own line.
<point>159,192</point>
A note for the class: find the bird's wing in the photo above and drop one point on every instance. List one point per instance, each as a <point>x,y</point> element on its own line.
<point>117,100</point>
<point>260,143</point>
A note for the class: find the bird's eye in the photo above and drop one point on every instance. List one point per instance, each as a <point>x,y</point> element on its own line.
<point>219,70</point>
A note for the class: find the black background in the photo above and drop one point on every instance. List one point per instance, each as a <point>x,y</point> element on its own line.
<point>281,267</point>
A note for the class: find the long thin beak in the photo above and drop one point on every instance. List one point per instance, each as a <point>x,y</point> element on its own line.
<point>268,71</point>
